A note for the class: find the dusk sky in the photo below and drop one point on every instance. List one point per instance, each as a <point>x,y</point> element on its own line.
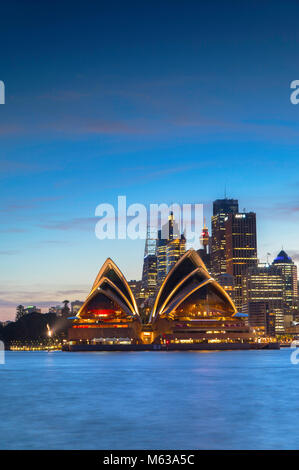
<point>165,101</point>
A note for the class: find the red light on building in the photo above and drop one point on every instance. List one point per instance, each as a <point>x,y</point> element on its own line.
<point>102,312</point>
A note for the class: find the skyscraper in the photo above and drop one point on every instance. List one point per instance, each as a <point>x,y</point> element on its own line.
<point>264,295</point>
<point>221,209</point>
<point>225,206</point>
<point>227,281</point>
<point>240,248</point>
<point>175,248</point>
<point>169,249</point>
<point>161,258</point>
<point>149,272</point>
<point>149,275</point>
<point>205,238</point>
<point>288,270</point>
<point>205,251</point>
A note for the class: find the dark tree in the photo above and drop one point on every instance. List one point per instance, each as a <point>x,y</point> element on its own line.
<point>33,327</point>
<point>20,312</point>
<point>65,310</point>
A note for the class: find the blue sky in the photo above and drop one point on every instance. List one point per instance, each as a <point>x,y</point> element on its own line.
<point>159,101</point>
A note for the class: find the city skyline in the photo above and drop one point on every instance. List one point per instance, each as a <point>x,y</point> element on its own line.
<point>75,293</point>
<point>173,119</point>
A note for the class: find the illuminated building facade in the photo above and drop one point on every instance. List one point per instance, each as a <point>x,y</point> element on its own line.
<point>205,238</point>
<point>149,271</point>
<point>169,249</point>
<point>241,248</point>
<point>149,275</point>
<point>191,307</point>
<point>134,286</point>
<point>110,313</point>
<point>262,319</point>
<point>161,259</point>
<point>221,209</point>
<point>288,270</point>
<point>227,281</point>
<point>175,248</point>
<point>264,295</point>
<point>205,251</point>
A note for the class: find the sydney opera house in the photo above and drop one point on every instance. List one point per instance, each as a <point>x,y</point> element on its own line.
<point>190,309</point>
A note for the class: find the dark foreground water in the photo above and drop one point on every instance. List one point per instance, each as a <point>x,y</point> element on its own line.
<point>149,400</point>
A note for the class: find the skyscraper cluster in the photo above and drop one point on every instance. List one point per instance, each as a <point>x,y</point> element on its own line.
<point>267,293</point>
<point>160,255</point>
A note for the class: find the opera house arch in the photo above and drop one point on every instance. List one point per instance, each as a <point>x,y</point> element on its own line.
<point>192,307</point>
<point>187,276</point>
<point>112,272</point>
<point>109,313</point>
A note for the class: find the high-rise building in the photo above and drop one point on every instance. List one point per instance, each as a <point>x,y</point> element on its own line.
<point>169,249</point>
<point>149,272</point>
<point>221,209</point>
<point>240,248</point>
<point>288,270</point>
<point>161,258</point>
<point>263,320</point>
<point>227,281</point>
<point>137,290</point>
<point>205,251</point>
<point>264,295</point>
<point>205,237</point>
<point>175,248</point>
<point>225,206</point>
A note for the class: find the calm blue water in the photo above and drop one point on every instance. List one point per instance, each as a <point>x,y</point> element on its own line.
<point>149,400</point>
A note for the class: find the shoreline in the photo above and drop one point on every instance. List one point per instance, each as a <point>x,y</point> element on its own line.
<point>170,347</point>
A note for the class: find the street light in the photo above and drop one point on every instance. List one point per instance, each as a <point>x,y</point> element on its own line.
<point>49,331</point>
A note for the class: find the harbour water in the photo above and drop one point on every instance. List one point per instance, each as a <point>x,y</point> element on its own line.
<point>149,400</point>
